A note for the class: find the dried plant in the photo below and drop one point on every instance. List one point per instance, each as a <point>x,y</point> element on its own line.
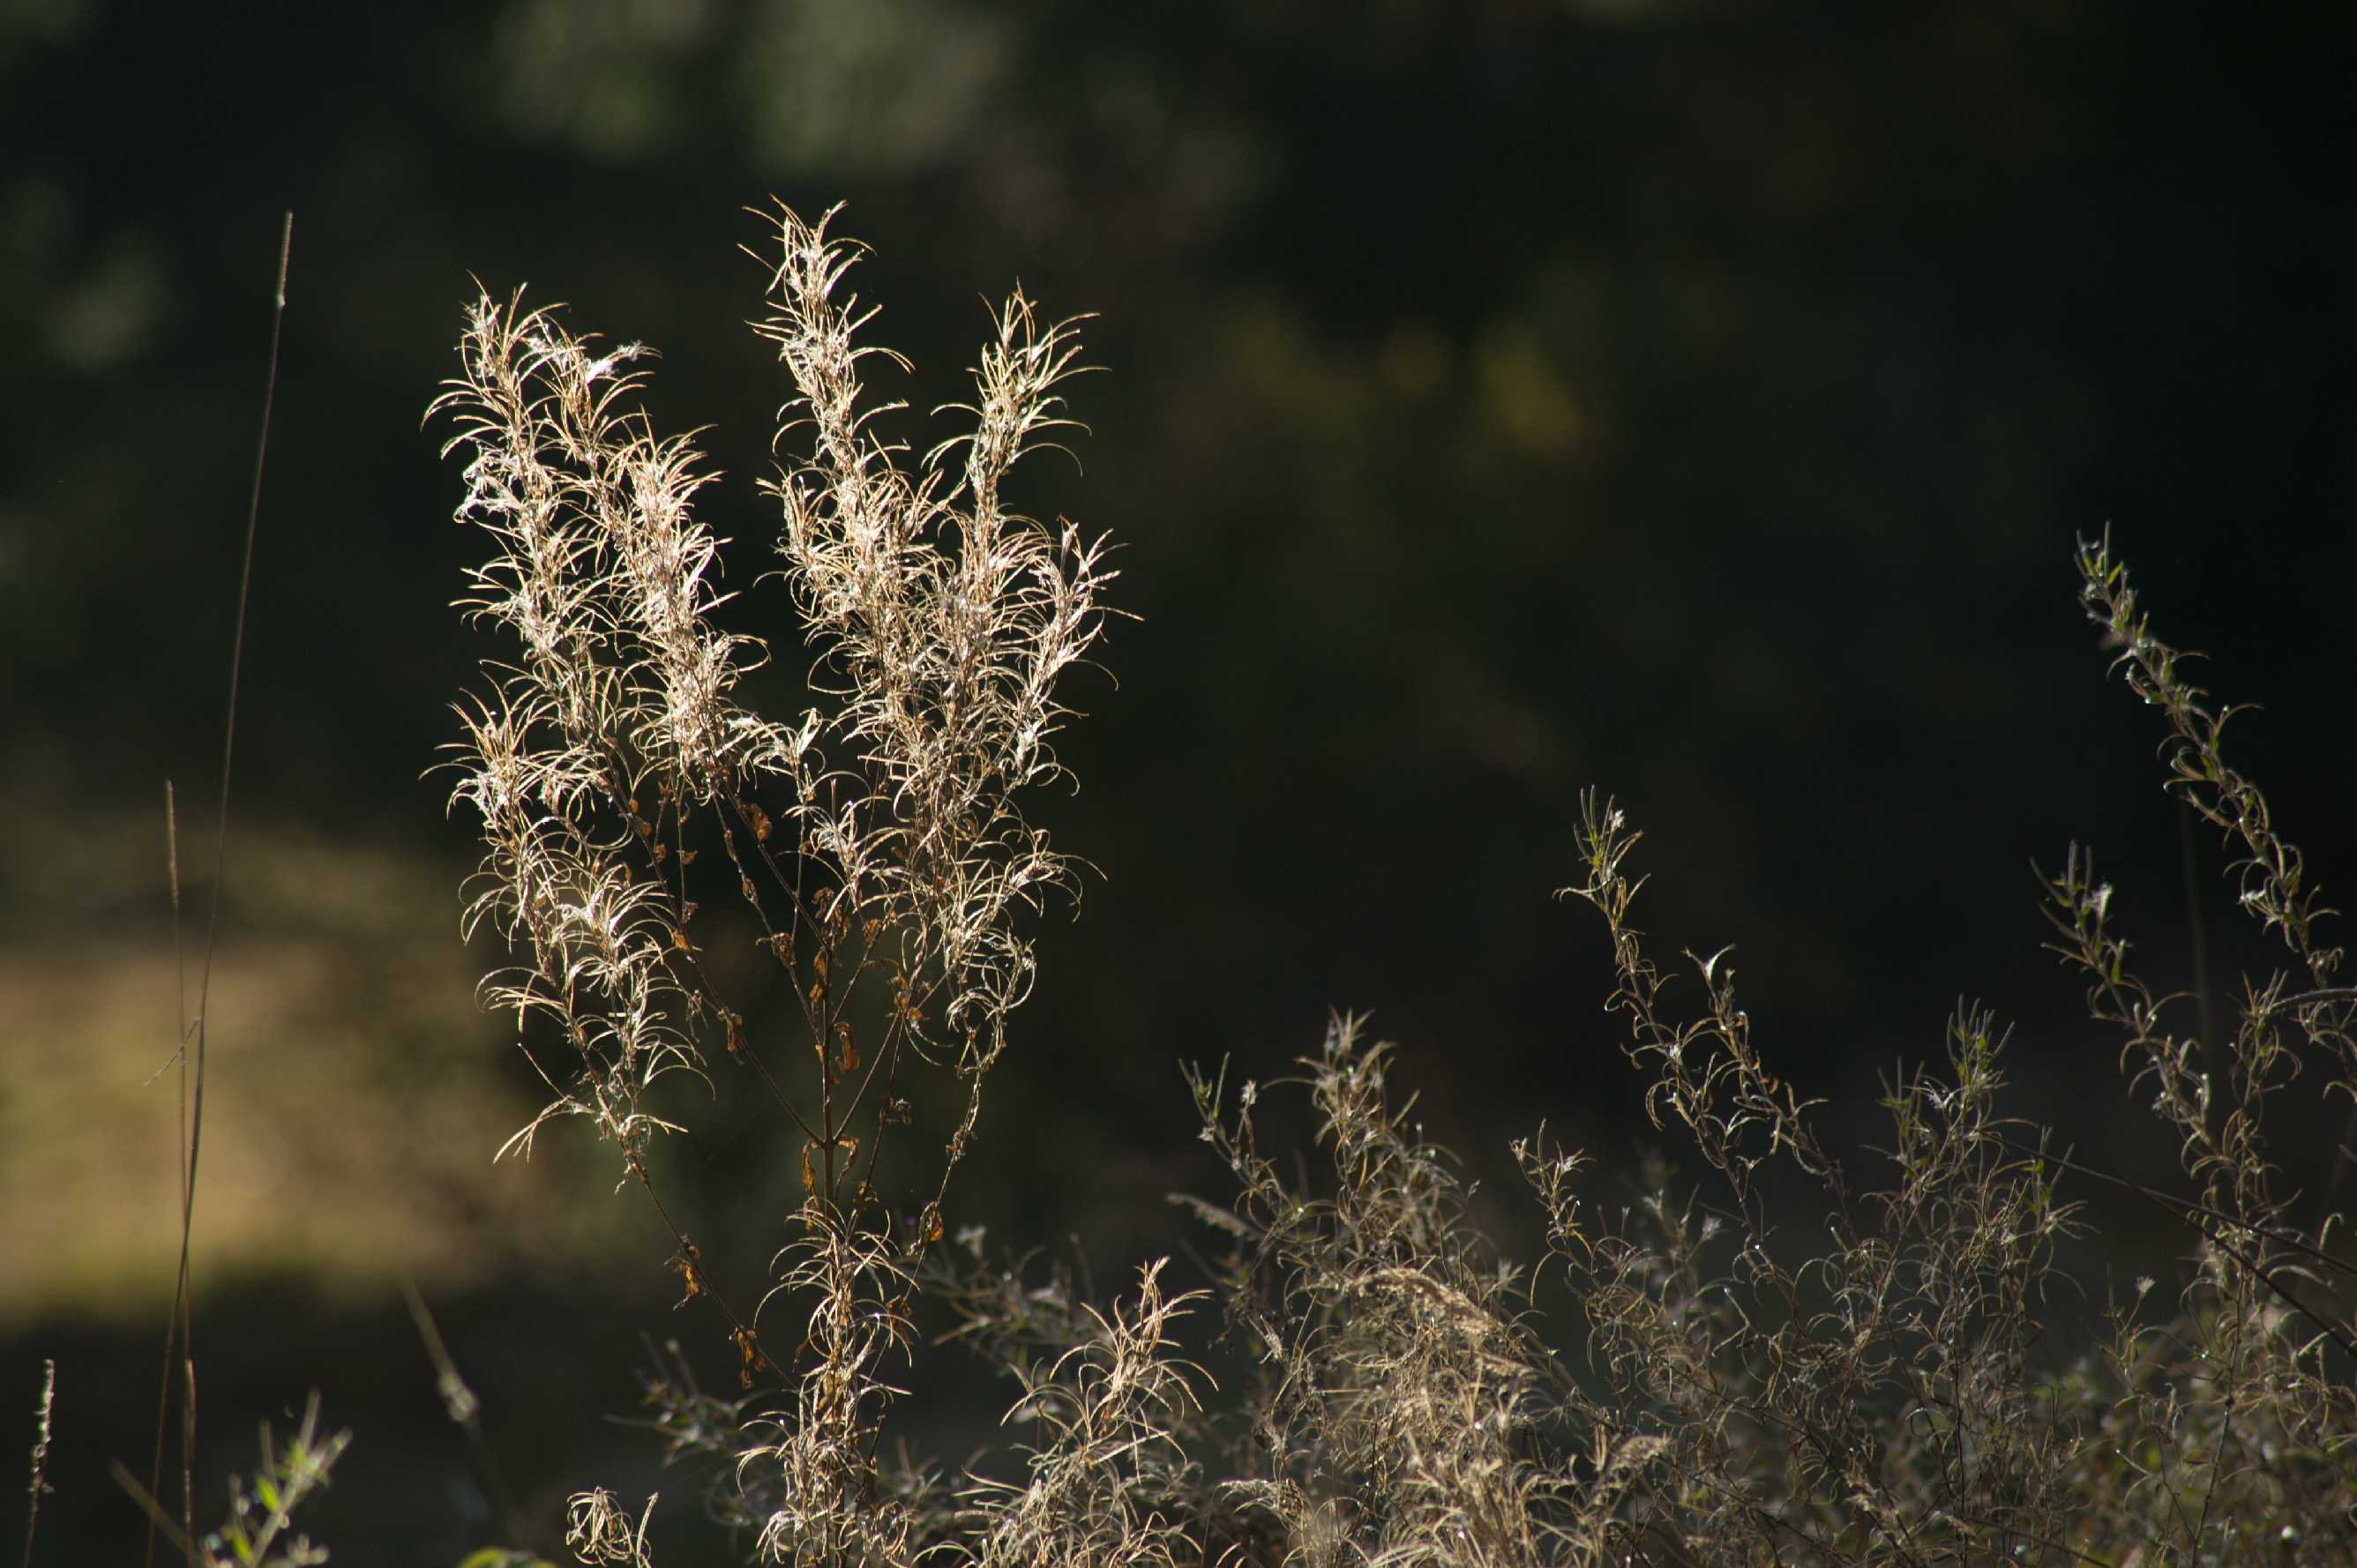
<point>879,842</point>
<point>38,1487</point>
<point>1822,1356</point>
<point>1879,1399</point>
<point>2232,1426</point>
<point>1111,1483</point>
<point>1407,1413</point>
<point>597,1530</point>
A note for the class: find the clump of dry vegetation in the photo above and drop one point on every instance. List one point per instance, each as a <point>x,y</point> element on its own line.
<point>879,842</point>
<point>1713,1390</point>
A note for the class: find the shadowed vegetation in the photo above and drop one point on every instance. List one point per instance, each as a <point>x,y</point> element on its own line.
<point>1819,1355</point>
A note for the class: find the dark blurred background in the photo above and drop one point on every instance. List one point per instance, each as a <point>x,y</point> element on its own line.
<point>1695,399</point>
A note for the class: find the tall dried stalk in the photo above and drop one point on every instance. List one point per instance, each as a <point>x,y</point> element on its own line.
<point>879,842</point>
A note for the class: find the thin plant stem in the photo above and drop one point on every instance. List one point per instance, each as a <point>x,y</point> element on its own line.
<point>182,1312</point>
<point>38,1486</point>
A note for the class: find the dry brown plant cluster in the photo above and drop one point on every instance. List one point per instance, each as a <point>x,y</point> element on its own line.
<point>1719,1390</point>
<point>879,843</point>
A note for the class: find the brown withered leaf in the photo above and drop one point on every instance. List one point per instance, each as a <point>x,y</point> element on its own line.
<point>751,1359</point>
<point>686,1262</point>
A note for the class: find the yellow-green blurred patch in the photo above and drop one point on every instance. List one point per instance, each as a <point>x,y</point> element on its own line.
<point>354,1096</point>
